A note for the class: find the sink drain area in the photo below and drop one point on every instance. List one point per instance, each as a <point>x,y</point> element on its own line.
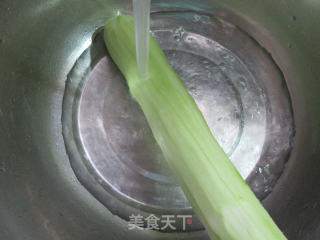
<point>236,85</point>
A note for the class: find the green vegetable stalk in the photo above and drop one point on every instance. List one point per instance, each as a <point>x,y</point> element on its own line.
<point>219,196</point>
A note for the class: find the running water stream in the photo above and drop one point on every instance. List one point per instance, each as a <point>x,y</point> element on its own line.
<point>141,12</point>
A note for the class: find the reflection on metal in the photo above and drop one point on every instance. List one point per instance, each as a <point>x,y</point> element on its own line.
<point>40,41</point>
<point>239,91</point>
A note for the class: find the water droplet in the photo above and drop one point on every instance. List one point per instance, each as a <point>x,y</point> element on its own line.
<point>266,169</point>
<point>178,34</point>
<point>177,38</point>
<point>222,66</point>
<point>293,18</point>
<point>3,167</point>
<point>196,18</point>
<point>315,205</point>
<point>192,88</point>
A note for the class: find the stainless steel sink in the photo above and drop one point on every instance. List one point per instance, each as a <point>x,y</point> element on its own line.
<point>77,157</point>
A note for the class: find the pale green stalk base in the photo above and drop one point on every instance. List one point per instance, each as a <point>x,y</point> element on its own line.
<point>218,194</point>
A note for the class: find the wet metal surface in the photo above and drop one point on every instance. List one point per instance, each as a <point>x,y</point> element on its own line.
<point>41,41</point>
<point>247,111</point>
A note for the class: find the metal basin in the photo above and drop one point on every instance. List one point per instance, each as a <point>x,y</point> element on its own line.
<point>77,157</point>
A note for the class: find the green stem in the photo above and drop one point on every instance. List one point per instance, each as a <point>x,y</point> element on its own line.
<point>219,196</point>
